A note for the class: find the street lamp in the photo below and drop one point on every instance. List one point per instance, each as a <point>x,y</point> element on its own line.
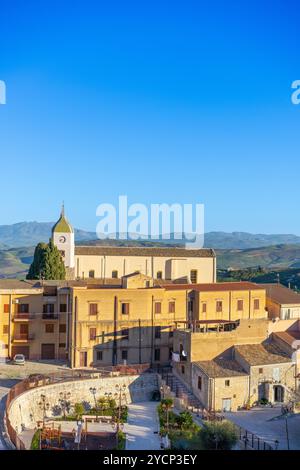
<point>44,406</point>
<point>120,396</point>
<point>93,391</point>
<point>64,400</point>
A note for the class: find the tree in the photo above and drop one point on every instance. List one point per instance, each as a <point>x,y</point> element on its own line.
<point>219,435</point>
<point>185,420</point>
<point>79,410</point>
<point>47,263</point>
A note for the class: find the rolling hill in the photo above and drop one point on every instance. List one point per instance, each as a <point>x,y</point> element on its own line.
<point>30,233</point>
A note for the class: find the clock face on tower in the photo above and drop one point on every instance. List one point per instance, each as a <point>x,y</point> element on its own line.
<point>62,239</point>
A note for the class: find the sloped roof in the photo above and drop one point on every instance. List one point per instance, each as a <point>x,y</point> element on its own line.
<point>217,368</point>
<point>217,286</point>
<point>62,225</point>
<point>262,354</point>
<point>144,251</point>
<point>281,294</point>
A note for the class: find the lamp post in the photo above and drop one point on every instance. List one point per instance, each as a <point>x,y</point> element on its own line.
<point>64,400</point>
<point>93,391</point>
<point>44,406</point>
<point>120,395</point>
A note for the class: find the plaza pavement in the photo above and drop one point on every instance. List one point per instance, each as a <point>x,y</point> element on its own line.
<point>268,424</point>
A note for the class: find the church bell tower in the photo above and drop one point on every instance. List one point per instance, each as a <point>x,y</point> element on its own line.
<point>63,238</point>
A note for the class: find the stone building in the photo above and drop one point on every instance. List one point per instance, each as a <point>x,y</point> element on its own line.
<point>254,372</point>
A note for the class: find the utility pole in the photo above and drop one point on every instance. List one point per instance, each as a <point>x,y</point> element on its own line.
<point>287,432</point>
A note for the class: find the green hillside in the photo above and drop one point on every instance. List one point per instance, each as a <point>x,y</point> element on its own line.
<point>277,256</point>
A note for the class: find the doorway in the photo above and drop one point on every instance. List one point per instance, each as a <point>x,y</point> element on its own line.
<point>48,351</point>
<point>83,359</point>
<point>226,404</point>
<point>278,394</point>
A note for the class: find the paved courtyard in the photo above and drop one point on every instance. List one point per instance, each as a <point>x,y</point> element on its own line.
<point>141,426</point>
<point>270,426</point>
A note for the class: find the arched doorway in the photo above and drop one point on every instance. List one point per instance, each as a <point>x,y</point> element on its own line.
<point>278,393</point>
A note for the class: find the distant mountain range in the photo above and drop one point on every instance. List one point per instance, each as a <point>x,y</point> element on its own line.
<point>236,250</point>
<point>25,234</point>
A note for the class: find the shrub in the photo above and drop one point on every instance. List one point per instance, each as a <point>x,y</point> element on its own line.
<point>185,420</point>
<point>219,435</point>
<point>35,443</point>
<point>79,410</point>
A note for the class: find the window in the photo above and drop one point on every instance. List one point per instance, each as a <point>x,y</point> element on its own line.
<point>276,374</point>
<point>157,307</point>
<point>62,345</point>
<point>157,332</point>
<point>91,274</point>
<point>49,328</point>
<point>92,334</point>
<point>124,353</point>
<point>204,307</point>
<point>159,275</point>
<point>6,308</point>
<point>5,329</point>
<point>240,305</point>
<point>219,306</point>
<point>62,328</point>
<point>170,354</point>
<point>171,333</point>
<point>125,308</point>
<point>93,309</point>
<point>199,382</point>
<point>157,354</point>
<point>125,333</point>
<point>99,355</point>
<point>182,369</point>
<point>227,383</point>
<point>63,308</point>
<point>48,308</point>
<point>114,274</point>
<point>256,304</point>
<point>172,307</point>
<point>23,308</point>
<point>194,276</point>
<point>260,370</point>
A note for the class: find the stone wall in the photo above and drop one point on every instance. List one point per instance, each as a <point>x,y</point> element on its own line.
<point>25,410</point>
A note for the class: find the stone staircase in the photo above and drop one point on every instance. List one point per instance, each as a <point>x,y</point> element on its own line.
<point>182,391</point>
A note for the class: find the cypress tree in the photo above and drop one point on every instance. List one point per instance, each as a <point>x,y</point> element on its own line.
<point>47,263</point>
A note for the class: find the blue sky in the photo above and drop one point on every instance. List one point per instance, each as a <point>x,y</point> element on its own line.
<point>162,101</point>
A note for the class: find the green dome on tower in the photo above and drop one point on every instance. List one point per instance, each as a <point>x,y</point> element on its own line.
<point>62,225</point>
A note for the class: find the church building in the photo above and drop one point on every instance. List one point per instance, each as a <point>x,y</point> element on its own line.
<point>108,262</point>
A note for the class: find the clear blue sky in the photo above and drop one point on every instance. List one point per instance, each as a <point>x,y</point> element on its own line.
<point>165,101</point>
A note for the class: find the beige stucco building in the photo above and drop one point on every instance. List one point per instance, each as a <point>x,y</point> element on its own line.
<point>105,262</point>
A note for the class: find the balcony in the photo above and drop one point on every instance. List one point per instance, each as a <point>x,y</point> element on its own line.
<point>23,337</point>
<point>50,316</point>
<point>23,317</point>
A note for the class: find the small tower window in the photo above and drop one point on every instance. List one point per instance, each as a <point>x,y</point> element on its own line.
<point>91,274</point>
<point>194,276</point>
<point>114,274</point>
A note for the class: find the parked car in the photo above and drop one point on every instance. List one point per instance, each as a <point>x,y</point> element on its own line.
<point>19,359</point>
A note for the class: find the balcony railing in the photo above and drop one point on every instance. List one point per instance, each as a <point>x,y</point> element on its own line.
<point>23,336</point>
<point>23,316</point>
<point>50,316</point>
